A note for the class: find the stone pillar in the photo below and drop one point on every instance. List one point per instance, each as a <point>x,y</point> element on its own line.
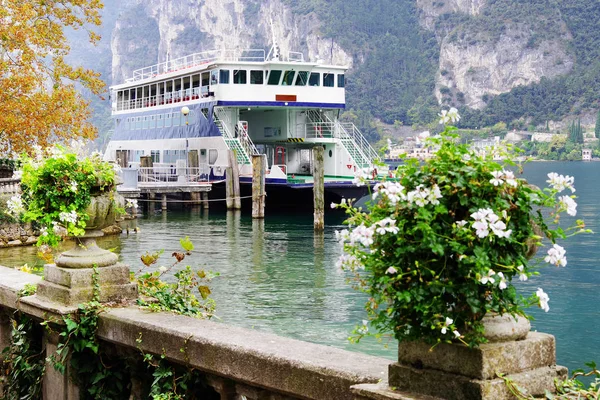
<point>5,331</point>
<point>71,280</point>
<point>56,386</point>
<point>224,387</point>
<point>319,188</point>
<point>258,186</point>
<point>163,204</point>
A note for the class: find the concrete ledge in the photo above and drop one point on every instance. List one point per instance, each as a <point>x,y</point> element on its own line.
<point>535,351</point>
<point>282,365</point>
<point>11,282</point>
<point>381,391</point>
<point>117,274</point>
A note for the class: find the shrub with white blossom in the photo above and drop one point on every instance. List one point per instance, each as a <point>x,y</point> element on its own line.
<point>442,241</point>
<point>57,186</point>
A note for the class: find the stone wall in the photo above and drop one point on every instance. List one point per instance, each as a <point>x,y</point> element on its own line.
<point>17,235</point>
<point>237,363</point>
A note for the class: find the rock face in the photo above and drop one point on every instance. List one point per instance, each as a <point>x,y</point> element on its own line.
<point>150,32</point>
<point>478,60</point>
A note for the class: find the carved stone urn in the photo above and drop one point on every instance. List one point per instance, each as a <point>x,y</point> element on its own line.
<point>70,280</point>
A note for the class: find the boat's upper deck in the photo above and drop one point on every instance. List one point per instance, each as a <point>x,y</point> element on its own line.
<point>234,78</point>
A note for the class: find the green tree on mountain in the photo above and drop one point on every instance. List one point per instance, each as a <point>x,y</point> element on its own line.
<point>597,130</point>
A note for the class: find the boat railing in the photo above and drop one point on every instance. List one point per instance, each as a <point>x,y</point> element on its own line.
<point>316,130</point>
<point>198,59</point>
<point>245,140</point>
<point>349,129</point>
<point>173,175</point>
<point>161,99</point>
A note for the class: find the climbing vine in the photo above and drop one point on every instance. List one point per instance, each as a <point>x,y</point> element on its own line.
<point>98,368</point>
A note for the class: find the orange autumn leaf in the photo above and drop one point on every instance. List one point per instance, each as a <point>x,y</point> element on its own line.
<point>40,100</point>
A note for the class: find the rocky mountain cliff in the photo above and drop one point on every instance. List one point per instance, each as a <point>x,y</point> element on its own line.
<point>150,32</point>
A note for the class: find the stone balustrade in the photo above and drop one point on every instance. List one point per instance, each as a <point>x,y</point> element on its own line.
<point>243,364</point>
<point>238,363</point>
<point>10,186</point>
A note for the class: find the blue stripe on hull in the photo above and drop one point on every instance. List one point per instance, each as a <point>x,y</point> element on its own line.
<point>280,104</point>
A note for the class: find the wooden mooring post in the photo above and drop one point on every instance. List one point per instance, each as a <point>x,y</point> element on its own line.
<point>232,183</point>
<point>319,187</point>
<point>259,163</point>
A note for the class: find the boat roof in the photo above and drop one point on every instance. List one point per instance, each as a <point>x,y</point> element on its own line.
<point>217,58</point>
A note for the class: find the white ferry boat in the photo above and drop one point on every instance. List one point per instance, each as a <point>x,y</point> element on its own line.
<point>188,112</point>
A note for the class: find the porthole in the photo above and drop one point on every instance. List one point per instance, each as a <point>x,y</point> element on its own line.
<point>330,153</point>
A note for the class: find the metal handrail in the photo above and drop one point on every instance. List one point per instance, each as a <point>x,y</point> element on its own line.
<point>245,139</point>
<point>173,175</point>
<point>197,59</point>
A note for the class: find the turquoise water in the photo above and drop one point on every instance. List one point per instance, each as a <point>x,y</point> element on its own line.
<point>277,275</point>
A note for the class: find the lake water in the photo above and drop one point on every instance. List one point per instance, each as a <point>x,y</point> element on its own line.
<point>277,275</point>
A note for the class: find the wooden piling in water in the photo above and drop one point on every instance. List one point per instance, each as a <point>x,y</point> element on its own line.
<point>259,163</point>
<point>235,177</point>
<point>319,187</point>
<point>205,200</point>
<point>229,188</point>
<point>163,204</point>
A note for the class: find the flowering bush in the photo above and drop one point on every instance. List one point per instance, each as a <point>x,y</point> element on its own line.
<point>57,187</point>
<point>443,240</point>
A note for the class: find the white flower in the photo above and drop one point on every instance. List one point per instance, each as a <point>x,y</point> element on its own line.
<point>361,176</point>
<point>162,269</point>
<point>509,177</point>
<point>363,235</point>
<point>561,182</point>
<point>497,180</point>
<point>481,229</point>
<point>342,236</point>
<point>522,275</point>
<point>449,116</point>
<point>543,299</point>
<point>502,284</point>
<point>68,216</point>
<point>73,186</point>
<point>44,231</point>
<point>15,205</point>
<point>132,203</point>
<point>499,229</point>
<point>567,203</point>
<point>364,328</point>
<point>434,194</point>
<point>391,271</point>
<point>386,225</point>
<point>333,205</point>
<point>456,333</point>
<point>488,278</point>
<point>461,223</point>
<point>447,324</point>
<point>556,256</point>
<point>348,262</point>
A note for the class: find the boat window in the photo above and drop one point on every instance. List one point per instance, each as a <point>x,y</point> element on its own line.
<point>288,77</point>
<point>239,76</point>
<point>168,120</point>
<point>205,78</point>
<point>212,156</point>
<point>155,154</point>
<point>145,123</point>
<point>214,77</point>
<point>257,77</point>
<point>151,123</point>
<point>205,112</point>
<point>274,76</point>
<point>177,83</point>
<point>176,118</point>
<point>315,79</point>
<point>196,81</point>
<point>138,123</point>
<point>328,80</point>
<point>202,158</point>
<point>223,76</point>
<point>341,80</point>
<point>159,121</point>
<point>302,78</point>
